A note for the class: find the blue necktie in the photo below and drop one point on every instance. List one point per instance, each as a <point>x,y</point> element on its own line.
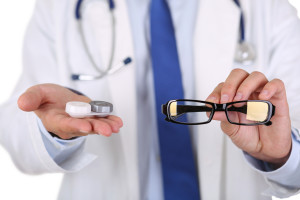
<point>180,180</point>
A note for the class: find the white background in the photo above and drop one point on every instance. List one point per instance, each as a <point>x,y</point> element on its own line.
<point>14,17</point>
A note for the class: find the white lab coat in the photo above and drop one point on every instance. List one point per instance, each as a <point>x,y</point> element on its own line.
<point>53,51</point>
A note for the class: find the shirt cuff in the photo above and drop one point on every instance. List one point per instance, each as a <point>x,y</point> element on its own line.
<point>59,149</point>
<point>288,174</point>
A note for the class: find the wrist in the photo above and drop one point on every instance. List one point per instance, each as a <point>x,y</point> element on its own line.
<point>277,163</point>
<point>274,162</point>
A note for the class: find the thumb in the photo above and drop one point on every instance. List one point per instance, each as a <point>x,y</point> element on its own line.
<point>229,129</point>
<point>31,99</point>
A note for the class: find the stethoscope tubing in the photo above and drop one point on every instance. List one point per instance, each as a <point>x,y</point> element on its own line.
<point>108,70</point>
<point>242,24</point>
<point>78,6</point>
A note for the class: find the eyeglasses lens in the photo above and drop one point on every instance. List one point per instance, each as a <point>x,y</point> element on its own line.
<point>190,111</point>
<point>250,112</point>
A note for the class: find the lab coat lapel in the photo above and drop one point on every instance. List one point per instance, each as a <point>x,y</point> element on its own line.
<point>216,35</point>
<point>122,87</point>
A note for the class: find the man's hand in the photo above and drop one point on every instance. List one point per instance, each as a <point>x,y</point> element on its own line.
<point>48,101</point>
<point>268,143</point>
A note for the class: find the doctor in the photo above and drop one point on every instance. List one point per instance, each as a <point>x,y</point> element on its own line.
<point>233,162</point>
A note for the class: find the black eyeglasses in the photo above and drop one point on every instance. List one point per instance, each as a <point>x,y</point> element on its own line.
<point>194,112</point>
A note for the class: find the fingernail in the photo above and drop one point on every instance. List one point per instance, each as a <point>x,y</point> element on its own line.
<point>264,93</point>
<point>83,131</point>
<point>211,99</point>
<point>224,98</point>
<point>99,133</point>
<point>238,97</point>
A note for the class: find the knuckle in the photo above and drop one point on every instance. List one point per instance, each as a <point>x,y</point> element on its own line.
<point>220,85</point>
<point>239,71</point>
<point>258,74</point>
<point>279,82</point>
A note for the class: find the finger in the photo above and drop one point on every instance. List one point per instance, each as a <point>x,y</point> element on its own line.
<point>229,129</point>
<point>117,119</point>
<point>74,125</point>
<point>38,95</point>
<point>31,99</point>
<point>254,82</point>
<point>215,96</point>
<point>113,124</point>
<point>101,127</point>
<point>232,83</point>
<point>274,88</point>
<point>67,127</point>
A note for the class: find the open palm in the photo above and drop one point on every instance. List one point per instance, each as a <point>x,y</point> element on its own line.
<point>48,102</point>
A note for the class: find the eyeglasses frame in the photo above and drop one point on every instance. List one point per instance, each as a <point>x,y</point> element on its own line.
<point>219,107</point>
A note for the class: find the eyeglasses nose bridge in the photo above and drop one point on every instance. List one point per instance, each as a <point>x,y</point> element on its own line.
<point>220,107</point>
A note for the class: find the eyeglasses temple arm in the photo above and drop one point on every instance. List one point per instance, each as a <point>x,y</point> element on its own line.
<point>242,109</point>
<point>273,110</point>
<point>165,111</point>
<point>269,123</point>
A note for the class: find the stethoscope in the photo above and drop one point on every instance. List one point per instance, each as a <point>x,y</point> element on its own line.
<point>244,54</point>
<point>109,69</point>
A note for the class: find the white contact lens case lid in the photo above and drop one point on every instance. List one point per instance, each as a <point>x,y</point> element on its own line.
<point>81,109</point>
